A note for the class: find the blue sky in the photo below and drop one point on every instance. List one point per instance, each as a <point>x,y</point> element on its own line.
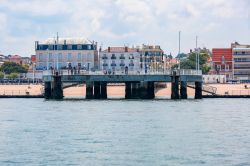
<point>120,22</point>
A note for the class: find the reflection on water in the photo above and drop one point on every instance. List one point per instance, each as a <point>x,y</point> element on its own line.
<point>124,132</point>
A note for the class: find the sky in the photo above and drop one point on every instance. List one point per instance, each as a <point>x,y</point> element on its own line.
<point>217,23</point>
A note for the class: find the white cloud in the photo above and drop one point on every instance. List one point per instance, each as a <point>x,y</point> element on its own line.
<point>122,21</point>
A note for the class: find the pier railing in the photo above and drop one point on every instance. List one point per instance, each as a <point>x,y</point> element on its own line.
<point>121,72</point>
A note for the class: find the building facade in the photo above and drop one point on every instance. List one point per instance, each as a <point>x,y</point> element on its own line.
<point>118,58</point>
<point>64,53</point>
<point>151,57</point>
<point>241,61</point>
<point>222,62</point>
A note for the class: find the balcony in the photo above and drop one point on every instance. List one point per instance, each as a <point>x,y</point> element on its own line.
<point>122,64</point>
<point>131,64</point>
<point>131,57</point>
<point>105,64</point>
<point>104,57</point>
<point>122,57</point>
<point>113,64</point>
<point>113,57</point>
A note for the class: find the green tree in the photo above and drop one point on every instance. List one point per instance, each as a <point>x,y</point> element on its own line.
<point>12,76</point>
<point>190,62</point>
<point>11,67</point>
<point>1,75</point>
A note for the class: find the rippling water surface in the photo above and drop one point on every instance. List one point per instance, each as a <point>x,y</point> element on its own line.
<point>120,132</point>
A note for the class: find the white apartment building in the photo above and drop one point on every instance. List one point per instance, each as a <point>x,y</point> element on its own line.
<point>63,53</point>
<point>118,58</point>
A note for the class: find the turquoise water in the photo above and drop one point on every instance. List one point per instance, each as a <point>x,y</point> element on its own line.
<point>120,132</point>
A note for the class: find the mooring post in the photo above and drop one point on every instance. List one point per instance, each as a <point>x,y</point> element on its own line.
<point>89,90</point>
<point>103,90</point>
<point>47,90</point>
<point>97,90</point>
<point>57,92</point>
<point>175,86</point>
<point>183,90</point>
<point>127,90</point>
<point>198,90</point>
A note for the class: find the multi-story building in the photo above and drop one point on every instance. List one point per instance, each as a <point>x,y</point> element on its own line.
<point>222,62</point>
<point>241,61</point>
<point>118,58</point>
<point>15,58</point>
<point>64,53</point>
<point>151,57</point>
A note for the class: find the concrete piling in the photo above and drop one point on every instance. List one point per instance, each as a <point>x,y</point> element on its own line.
<point>198,90</point>
<point>183,90</point>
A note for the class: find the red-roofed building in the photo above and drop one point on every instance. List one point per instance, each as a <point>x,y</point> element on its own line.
<point>15,58</point>
<point>223,61</point>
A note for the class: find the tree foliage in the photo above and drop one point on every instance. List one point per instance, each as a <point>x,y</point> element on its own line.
<point>190,62</point>
<point>12,67</point>
<point>12,76</point>
<point>1,75</point>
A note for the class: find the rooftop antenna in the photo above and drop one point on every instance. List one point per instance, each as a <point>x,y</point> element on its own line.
<point>57,37</point>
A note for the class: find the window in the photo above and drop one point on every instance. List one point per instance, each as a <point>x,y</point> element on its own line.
<point>79,56</point>
<point>79,47</point>
<point>69,47</point>
<point>89,47</point>
<point>218,67</point>
<point>226,67</point>
<point>40,56</point>
<point>59,47</point>
<point>60,56</point>
<point>69,56</point>
<point>51,47</point>
<point>50,56</point>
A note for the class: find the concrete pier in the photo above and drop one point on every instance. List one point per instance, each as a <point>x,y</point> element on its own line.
<point>175,86</point>
<point>89,90</point>
<point>135,90</point>
<point>97,90</point>
<point>151,90</point>
<point>57,90</point>
<point>128,90</point>
<point>47,90</point>
<point>103,90</point>
<point>198,90</point>
<point>183,90</point>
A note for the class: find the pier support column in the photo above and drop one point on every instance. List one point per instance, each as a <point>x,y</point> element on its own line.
<point>103,90</point>
<point>97,90</point>
<point>57,92</point>
<point>89,90</point>
<point>143,90</point>
<point>128,90</point>
<point>134,90</point>
<point>151,90</point>
<point>47,90</point>
<point>175,86</point>
<point>183,90</point>
<point>198,90</point>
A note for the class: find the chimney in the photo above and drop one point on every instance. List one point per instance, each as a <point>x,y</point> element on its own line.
<point>126,49</point>
<point>108,49</point>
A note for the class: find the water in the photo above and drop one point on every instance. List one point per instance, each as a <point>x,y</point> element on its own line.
<point>119,132</point>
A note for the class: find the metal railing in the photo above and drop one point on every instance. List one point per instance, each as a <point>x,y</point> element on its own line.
<point>122,72</point>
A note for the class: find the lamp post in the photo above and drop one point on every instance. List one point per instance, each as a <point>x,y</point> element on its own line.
<point>34,65</point>
<point>179,52</point>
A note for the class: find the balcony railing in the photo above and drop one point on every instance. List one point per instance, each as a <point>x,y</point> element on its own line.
<point>113,64</point>
<point>122,57</point>
<point>131,57</point>
<point>113,57</point>
<point>131,64</point>
<point>105,64</point>
<point>104,57</point>
<point>122,64</point>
